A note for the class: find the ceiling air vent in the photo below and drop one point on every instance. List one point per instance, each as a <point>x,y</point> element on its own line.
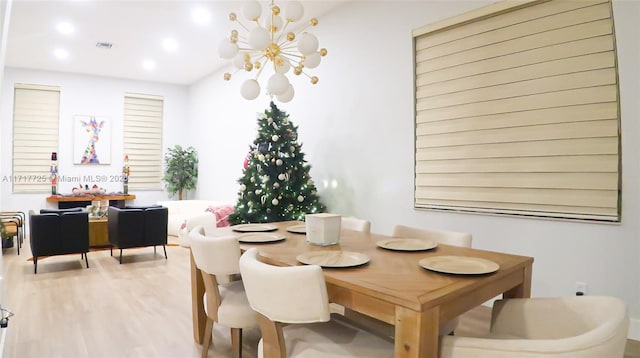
<point>104,45</point>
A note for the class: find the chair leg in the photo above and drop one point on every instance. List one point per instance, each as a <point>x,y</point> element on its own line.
<point>86,260</point>
<point>208,330</point>
<point>35,264</point>
<point>154,249</point>
<point>165,251</point>
<point>120,256</point>
<point>111,250</point>
<point>236,342</point>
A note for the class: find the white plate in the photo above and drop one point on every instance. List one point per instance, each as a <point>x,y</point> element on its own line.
<point>253,227</point>
<point>298,229</point>
<point>333,258</point>
<point>399,244</point>
<point>260,237</point>
<point>460,265</point>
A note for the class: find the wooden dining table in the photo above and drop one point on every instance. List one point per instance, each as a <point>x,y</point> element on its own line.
<point>392,286</point>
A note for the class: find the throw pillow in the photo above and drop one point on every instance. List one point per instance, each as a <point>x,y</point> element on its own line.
<point>222,214</point>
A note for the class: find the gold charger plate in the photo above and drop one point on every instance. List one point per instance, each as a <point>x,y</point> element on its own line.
<point>459,265</point>
<point>260,237</point>
<point>333,258</point>
<point>253,227</point>
<point>298,229</point>
<point>399,244</point>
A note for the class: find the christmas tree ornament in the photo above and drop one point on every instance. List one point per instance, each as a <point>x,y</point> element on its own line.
<point>300,198</point>
<point>275,138</point>
<point>279,162</point>
<point>274,201</point>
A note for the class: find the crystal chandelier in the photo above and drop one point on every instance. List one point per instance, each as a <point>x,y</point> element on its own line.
<point>268,44</point>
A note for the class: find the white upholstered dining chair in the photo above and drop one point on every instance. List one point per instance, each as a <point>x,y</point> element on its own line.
<point>296,296</point>
<point>558,327</point>
<point>356,224</point>
<point>225,303</point>
<point>441,237</point>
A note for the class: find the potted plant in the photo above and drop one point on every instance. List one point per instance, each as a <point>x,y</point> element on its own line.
<point>181,170</point>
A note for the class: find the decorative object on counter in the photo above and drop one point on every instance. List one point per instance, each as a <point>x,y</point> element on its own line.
<point>181,170</point>
<point>269,44</point>
<point>276,185</point>
<point>98,208</point>
<point>85,190</point>
<point>53,171</point>
<point>125,174</point>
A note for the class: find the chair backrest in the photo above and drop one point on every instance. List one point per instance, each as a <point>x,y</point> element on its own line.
<point>353,223</point>
<point>439,236</point>
<point>215,255</point>
<point>559,327</point>
<point>294,294</point>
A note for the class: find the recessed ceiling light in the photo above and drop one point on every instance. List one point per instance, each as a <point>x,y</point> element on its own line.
<point>65,27</point>
<point>170,44</point>
<point>148,65</point>
<point>61,53</point>
<point>201,16</point>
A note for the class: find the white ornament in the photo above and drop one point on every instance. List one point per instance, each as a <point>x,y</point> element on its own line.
<point>261,157</point>
<point>300,198</point>
<point>258,191</point>
<point>243,187</point>
<point>263,199</point>
<point>276,185</point>
<point>269,120</point>
<point>253,180</point>
<point>250,204</point>
<point>281,176</point>
<point>274,201</point>
<point>275,138</point>
<point>279,162</point>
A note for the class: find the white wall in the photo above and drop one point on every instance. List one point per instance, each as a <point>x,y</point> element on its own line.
<point>356,126</point>
<point>82,94</point>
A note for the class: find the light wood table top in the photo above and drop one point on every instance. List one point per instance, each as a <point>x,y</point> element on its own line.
<point>392,286</point>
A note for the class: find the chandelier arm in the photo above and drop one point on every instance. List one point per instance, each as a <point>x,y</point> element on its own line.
<point>260,70</point>
<point>284,30</point>
<point>242,25</point>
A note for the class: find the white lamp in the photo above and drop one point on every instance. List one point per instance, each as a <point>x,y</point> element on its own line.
<point>268,45</point>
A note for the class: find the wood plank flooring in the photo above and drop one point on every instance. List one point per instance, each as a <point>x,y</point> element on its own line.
<point>141,308</point>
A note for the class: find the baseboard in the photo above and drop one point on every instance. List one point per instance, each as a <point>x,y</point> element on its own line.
<point>634,329</point>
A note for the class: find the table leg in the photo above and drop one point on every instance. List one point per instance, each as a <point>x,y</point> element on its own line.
<point>416,333</point>
<point>523,290</point>
<point>197,302</point>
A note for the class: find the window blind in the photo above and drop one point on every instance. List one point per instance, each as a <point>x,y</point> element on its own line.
<point>36,115</point>
<point>517,112</point>
<point>143,139</point>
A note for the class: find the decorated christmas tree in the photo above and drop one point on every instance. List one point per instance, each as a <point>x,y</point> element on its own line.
<point>275,185</point>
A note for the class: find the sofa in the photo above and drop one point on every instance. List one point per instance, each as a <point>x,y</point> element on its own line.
<point>58,232</point>
<point>187,214</point>
<point>131,227</point>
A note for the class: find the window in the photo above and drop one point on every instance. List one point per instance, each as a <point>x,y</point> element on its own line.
<point>36,116</point>
<point>517,111</point>
<point>143,140</point>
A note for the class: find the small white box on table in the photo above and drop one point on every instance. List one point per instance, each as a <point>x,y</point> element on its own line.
<point>323,229</point>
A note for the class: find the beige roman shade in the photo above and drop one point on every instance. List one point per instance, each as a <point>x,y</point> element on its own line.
<point>36,117</point>
<point>517,111</point>
<point>143,140</point>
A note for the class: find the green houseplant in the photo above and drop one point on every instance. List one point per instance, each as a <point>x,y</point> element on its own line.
<point>181,170</point>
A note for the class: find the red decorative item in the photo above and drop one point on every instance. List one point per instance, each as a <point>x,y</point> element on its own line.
<point>246,160</point>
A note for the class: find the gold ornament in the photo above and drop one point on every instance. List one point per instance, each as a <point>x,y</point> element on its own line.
<point>323,52</point>
<point>233,16</point>
<point>291,36</point>
<point>227,76</point>
<point>313,22</point>
<point>275,10</point>
<point>314,80</point>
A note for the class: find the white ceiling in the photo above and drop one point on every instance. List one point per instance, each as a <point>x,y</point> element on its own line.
<point>135,28</point>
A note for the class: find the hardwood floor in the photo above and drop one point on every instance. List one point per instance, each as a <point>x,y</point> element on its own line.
<point>141,308</point>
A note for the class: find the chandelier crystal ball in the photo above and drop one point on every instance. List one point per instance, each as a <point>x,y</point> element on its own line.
<point>267,43</point>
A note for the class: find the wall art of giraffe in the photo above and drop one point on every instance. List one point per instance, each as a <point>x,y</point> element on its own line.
<point>90,142</point>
